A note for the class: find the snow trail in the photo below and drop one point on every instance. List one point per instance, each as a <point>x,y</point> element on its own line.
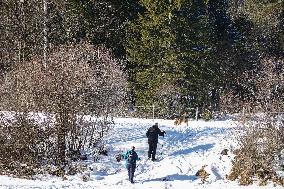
<point>181,153</point>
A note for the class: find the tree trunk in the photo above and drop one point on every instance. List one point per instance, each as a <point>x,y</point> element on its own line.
<point>62,124</point>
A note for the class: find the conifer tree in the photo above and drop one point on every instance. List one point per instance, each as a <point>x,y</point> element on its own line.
<point>168,55</point>
<point>151,53</point>
<point>194,47</point>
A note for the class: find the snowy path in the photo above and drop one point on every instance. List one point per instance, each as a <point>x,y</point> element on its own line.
<point>183,151</point>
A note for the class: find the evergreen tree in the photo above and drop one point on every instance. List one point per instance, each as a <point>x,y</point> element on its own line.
<point>104,21</point>
<point>168,55</point>
<point>267,17</point>
<point>233,52</point>
<point>152,56</point>
<point>194,47</point>
<point>255,30</point>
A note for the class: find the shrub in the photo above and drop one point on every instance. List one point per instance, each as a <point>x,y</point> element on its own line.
<point>80,88</point>
<point>257,157</point>
<point>261,144</point>
<point>206,115</point>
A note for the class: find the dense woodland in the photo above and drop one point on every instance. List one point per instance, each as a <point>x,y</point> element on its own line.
<point>177,54</point>
<point>78,57</point>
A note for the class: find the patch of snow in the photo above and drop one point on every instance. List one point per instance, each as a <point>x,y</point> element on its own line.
<point>180,154</point>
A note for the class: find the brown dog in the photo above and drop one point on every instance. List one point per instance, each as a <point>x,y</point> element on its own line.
<point>180,120</point>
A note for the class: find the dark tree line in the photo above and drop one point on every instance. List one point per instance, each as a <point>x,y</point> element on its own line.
<point>177,54</point>
<point>193,52</point>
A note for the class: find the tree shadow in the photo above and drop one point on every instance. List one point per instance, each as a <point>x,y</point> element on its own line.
<point>203,147</point>
<point>190,134</point>
<point>174,177</point>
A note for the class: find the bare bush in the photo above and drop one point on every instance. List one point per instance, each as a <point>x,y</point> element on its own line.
<point>262,142</point>
<point>258,155</point>
<point>203,174</point>
<point>23,144</point>
<point>79,80</point>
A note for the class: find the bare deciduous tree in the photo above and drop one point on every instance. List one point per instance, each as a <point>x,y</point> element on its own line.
<point>78,81</point>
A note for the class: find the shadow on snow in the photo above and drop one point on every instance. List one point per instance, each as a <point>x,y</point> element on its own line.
<point>203,147</point>
<point>174,177</point>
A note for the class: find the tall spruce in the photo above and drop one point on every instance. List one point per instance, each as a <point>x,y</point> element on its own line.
<point>260,25</point>
<point>152,55</point>
<point>194,48</point>
<point>168,54</point>
<point>104,21</point>
<point>233,51</point>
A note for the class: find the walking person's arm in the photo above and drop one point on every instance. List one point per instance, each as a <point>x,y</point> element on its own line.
<point>137,158</point>
<point>161,133</point>
<point>125,156</point>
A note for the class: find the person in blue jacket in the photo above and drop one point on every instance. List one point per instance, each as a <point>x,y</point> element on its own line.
<point>130,162</point>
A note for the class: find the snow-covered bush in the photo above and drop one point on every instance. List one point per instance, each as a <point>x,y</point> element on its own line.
<point>262,141</point>
<point>80,84</point>
<point>23,145</point>
<point>257,156</point>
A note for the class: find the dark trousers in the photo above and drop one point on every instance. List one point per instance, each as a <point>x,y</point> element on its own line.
<point>131,169</point>
<point>152,149</point>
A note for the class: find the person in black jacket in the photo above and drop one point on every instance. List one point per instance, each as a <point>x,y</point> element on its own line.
<point>152,134</point>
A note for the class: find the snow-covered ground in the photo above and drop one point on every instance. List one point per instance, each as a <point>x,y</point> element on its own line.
<point>181,153</point>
